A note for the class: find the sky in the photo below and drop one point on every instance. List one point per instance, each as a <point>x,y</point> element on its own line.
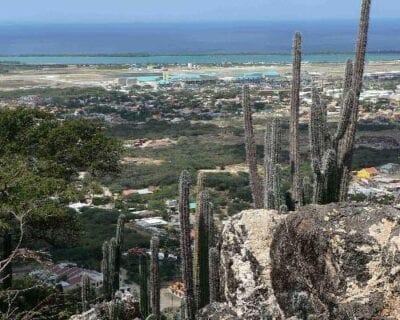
<point>110,11</point>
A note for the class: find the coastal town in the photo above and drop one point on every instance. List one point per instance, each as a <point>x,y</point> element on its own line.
<point>143,106</point>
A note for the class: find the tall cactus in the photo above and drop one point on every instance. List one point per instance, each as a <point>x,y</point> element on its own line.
<point>7,273</point>
<point>154,278</point>
<point>144,290</point>
<point>294,121</point>
<point>272,178</point>
<point>85,292</point>
<point>111,263</point>
<point>201,251</point>
<point>106,272</point>
<point>211,226</point>
<point>332,157</point>
<point>214,276</point>
<point>251,152</point>
<point>112,266</point>
<point>346,153</point>
<point>119,237</point>
<point>186,249</point>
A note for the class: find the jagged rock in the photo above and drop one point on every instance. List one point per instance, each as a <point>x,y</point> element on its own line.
<point>338,261</point>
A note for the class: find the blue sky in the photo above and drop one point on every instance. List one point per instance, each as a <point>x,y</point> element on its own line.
<point>21,11</point>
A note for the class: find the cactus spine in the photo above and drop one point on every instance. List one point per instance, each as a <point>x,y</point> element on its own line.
<point>186,250</point>
<point>251,152</point>
<point>144,293</point>
<point>294,122</point>
<point>214,276</point>
<point>201,251</point>
<point>85,292</point>
<point>154,278</point>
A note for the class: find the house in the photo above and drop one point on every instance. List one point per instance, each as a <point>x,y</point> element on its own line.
<point>68,275</point>
<point>367,173</point>
<point>151,222</point>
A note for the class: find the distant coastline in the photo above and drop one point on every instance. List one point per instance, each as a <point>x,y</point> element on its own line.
<point>191,58</point>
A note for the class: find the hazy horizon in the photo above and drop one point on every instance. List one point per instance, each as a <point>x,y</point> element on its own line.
<point>128,11</point>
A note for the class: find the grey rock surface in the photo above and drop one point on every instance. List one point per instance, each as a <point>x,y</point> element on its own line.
<point>338,261</point>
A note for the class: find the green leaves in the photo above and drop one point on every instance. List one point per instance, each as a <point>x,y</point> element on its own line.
<point>62,148</point>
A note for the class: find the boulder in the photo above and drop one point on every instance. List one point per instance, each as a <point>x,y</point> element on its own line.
<point>337,261</point>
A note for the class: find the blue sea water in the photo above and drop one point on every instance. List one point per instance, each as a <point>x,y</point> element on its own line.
<point>193,42</point>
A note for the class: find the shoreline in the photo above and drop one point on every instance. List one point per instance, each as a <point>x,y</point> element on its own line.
<point>199,59</point>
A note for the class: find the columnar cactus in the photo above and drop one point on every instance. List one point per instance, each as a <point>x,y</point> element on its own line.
<point>85,292</point>
<point>211,226</point>
<point>186,249</point>
<point>106,272</point>
<point>115,310</point>
<point>201,182</point>
<point>111,263</point>
<point>144,290</point>
<point>294,121</point>
<point>120,230</point>
<point>251,152</point>
<point>332,157</point>
<point>201,251</point>
<point>119,237</point>
<point>307,191</point>
<point>154,278</point>
<point>214,276</point>
<point>346,153</point>
<point>272,178</point>
<point>112,266</point>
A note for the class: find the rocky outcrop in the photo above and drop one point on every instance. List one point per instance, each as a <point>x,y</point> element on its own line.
<point>338,261</point>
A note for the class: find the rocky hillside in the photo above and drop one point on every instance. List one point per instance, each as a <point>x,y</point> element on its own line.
<point>338,261</point>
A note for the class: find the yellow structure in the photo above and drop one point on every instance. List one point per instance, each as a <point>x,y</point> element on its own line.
<point>367,173</point>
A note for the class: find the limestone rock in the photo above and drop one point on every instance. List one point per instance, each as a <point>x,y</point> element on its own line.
<point>338,261</point>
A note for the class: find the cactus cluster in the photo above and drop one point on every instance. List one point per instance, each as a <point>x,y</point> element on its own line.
<point>331,155</point>
<point>111,262</point>
<point>200,272</point>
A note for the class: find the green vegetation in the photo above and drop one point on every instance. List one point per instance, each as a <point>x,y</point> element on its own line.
<point>59,149</point>
<point>98,225</point>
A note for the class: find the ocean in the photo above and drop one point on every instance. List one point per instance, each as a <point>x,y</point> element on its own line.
<point>198,43</point>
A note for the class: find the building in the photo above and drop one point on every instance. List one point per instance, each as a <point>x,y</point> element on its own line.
<point>68,275</point>
<point>151,222</point>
